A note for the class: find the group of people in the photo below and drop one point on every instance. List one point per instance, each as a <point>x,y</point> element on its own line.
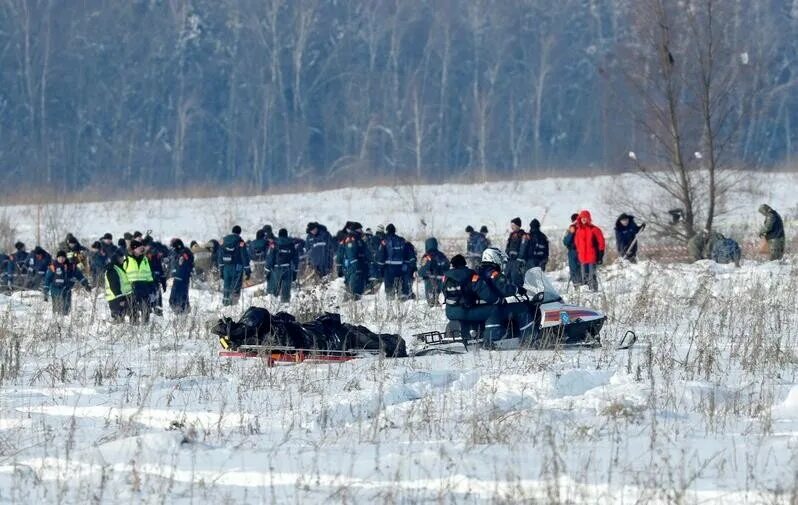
<point>134,270</point>
<point>713,245</point>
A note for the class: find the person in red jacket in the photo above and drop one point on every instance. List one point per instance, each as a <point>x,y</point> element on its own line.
<point>589,242</point>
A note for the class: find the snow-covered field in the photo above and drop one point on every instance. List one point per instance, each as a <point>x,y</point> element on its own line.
<point>417,211</point>
<point>703,410</point>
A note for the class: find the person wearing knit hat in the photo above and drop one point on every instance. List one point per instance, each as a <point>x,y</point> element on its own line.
<point>58,281</point>
<point>483,229</point>
<point>515,249</point>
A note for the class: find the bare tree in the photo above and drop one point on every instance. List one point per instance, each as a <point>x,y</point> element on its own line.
<point>685,73</point>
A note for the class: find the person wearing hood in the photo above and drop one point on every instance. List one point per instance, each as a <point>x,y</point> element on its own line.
<point>574,268</point>
<point>281,263</point>
<point>772,231</point>
<point>58,281</point>
<point>626,231</point>
<point>590,245</point>
<point>536,252</point>
<point>434,265</point>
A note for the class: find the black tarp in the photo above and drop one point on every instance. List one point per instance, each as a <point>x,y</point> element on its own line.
<point>257,326</point>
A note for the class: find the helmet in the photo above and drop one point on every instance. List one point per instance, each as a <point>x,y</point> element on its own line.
<point>495,256</point>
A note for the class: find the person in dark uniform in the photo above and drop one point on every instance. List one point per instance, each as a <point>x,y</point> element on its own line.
<point>434,266</point>
<point>233,260</point>
<point>281,263</point>
<point>516,243</point>
<point>59,280</point>
<point>181,266</point>
<point>492,288</point>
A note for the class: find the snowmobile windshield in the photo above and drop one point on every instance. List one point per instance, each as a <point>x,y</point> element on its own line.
<point>535,281</point>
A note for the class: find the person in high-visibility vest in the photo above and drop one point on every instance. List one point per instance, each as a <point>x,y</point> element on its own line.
<point>118,290</point>
<point>139,273</point>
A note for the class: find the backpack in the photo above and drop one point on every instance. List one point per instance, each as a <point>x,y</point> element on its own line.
<point>459,291</point>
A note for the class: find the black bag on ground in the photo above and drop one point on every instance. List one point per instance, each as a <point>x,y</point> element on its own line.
<point>326,333</point>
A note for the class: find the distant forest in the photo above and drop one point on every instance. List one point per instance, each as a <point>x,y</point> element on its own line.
<point>169,94</point>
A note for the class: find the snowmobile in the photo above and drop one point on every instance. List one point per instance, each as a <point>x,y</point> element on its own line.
<point>557,325</point>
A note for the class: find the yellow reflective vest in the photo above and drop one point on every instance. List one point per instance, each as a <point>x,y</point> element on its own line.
<point>138,271</point>
<point>124,285</point>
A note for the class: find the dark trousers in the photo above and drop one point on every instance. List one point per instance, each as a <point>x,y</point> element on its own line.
<point>397,282</point>
<point>501,320</point>
<point>280,281</point>
<point>515,271</point>
<point>589,276</point>
<point>62,301</point>
<point>233,279</point>
<point>355,282</point>
<point>142,302</point>
<point>432,290</point>
<point>119,308</point>
<point>178,297</point>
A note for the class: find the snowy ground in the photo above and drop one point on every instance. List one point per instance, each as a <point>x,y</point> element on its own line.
<point>417,211</point>
<point>703,410</point>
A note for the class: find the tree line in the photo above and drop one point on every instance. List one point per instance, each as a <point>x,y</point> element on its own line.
<point>266,93</point>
